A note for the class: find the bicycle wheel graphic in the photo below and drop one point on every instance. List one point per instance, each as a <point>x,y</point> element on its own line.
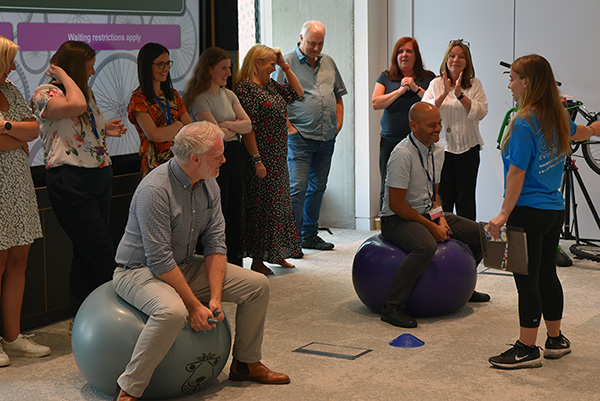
<point>19,78</point>
<point>184,57</point>
<point>116,78</point>
<point>591,153</point>
<point>78,18</point>
<point>126,19</point>
<point>33,61</point>
<point>36,153</point>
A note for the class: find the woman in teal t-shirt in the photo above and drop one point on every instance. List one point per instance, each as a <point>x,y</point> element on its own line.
<point>534,154</point>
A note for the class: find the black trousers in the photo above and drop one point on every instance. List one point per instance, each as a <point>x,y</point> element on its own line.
<point>231,183</point>
<point>414,238</point>
<point>458,182</point>
<point>81,200</point>
<point>540,292</point>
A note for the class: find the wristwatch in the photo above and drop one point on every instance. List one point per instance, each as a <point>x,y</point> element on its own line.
<point>460,96</point>
<point>7,126</point>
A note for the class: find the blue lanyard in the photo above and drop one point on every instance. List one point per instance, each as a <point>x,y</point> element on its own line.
<point>93,122</point>
<point>167,114</point>
<point>425,168</point>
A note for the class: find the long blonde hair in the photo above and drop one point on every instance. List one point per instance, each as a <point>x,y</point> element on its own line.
<point>541,100</point>
<point>248,70</point>
<point>8,51</point>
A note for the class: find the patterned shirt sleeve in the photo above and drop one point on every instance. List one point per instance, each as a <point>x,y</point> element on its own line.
<point>288,93</point>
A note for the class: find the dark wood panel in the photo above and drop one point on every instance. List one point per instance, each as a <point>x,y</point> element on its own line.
<point>47,298</point>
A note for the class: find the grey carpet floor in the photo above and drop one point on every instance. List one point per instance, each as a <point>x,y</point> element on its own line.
<point>316,302</point>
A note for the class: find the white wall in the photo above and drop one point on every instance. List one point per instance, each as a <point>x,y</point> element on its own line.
<point>489,30</point>
<point>337,15</point>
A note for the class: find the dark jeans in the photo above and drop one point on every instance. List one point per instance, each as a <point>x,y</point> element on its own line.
<point>385,150</point>
<point>81,198</point>
<point>540,292</point>
<point>458,182</point>
<point>417,241</point>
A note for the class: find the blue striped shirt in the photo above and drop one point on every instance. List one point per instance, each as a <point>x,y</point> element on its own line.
<point>167,217</point>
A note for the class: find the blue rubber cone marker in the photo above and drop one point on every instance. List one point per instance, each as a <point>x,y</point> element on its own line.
<point>406,341</point>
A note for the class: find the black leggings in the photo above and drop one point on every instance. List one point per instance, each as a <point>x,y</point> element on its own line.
<point>540,292</point>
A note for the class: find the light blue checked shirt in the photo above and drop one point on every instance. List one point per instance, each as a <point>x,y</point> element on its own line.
<point>315,117</point>
<point>167,217</point>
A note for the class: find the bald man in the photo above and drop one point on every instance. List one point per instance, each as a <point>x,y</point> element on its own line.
<point>412,217</point>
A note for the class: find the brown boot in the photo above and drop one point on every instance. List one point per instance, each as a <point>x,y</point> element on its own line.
<point>257,372</point>
<point>121,395</point>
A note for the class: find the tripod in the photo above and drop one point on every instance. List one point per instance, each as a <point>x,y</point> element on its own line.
<point>583,247</point>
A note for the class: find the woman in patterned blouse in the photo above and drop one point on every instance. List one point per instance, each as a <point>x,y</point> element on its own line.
<point>19,217</point>
<point>79,172</point>
<point>156,109</point>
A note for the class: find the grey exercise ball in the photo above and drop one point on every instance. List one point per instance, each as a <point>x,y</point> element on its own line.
<point>106,329</point>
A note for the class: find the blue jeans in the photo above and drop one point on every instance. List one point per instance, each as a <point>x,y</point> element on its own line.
<point>309,162</point>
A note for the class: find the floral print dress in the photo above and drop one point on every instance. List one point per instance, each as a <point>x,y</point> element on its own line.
<point>19,215</point>
<point>268,225</point>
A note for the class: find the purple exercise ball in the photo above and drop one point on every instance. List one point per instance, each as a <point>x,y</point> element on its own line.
<point>444,287</point>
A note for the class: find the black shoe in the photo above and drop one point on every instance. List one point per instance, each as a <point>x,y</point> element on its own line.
<point>556,347</point>
<point>517,357</point>
<point>316,242</point>
<point>479,297</point>
<point>398,317</point>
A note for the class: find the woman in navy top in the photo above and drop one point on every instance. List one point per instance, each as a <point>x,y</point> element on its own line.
<point>396,90</point>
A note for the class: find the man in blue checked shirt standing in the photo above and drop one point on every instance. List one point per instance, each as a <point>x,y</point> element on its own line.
<point>313,126</point>
<point>173,208</point>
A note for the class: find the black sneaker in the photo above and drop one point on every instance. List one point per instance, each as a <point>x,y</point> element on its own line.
<point>517,357</point>
<point>557,347</point>
<point>316,242</point>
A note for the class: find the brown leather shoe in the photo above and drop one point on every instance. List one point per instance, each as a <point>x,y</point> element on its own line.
<point>257,372</point>
<point>121,395</point>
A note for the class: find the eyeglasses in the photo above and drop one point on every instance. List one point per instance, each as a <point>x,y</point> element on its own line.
<point>162,66</point>
<point>459,42</point>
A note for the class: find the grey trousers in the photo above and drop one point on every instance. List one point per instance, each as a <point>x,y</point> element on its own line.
<point>168,314</point>
<point>417,241</point>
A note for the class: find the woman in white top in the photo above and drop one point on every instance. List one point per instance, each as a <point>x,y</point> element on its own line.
<point>207,99</point>
<point>462,103</point>
<point>78,168</point>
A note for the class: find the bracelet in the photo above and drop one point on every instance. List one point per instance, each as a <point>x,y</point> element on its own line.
<point>418,90</point>
<point>257,160</point>
<point>255,155</point>
<point>286,68</point>
<point>461,96</point>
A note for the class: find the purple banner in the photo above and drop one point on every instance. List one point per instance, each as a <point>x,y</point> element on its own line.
<point>42,36</point>
<point>6,30</point>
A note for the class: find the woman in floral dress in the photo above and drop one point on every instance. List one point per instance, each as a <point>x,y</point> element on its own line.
<point>19,217</point>
<point>269,230</point>
<point>78,168</point>
<point>156,109</point>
